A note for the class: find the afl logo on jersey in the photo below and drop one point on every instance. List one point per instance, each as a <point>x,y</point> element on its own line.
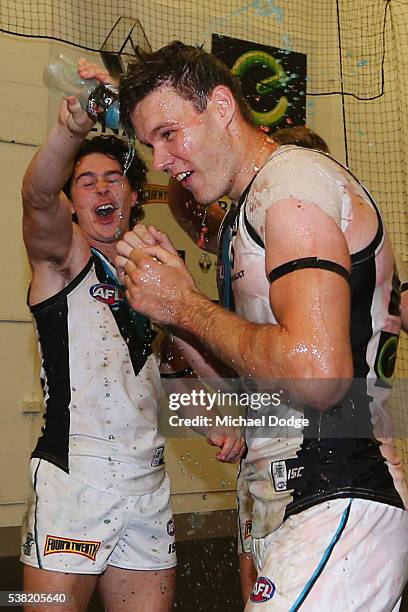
<point>108,294</point>
<point>263,590</point>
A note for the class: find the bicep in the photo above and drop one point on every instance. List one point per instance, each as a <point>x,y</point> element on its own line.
<point>47,231</point>
<point>312,304</point>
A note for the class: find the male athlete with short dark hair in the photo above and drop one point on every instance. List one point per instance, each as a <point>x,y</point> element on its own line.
<point>316,314</point>
<point>99,509</point>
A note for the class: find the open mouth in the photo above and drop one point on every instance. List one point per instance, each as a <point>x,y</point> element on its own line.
<point>106,213</point>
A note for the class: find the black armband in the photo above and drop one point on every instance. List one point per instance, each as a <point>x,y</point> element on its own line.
<point>308,262</point>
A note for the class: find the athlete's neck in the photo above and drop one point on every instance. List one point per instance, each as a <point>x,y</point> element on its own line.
<point>108,249</point>
<point>255,152</point>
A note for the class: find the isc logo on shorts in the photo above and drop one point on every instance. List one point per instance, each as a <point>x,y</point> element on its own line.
<point>85,548</point>
<point>263,590</point>
<point>248,529</point>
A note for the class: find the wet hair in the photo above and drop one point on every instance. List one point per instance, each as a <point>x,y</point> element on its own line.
<point>192,72</point>
<point>302,136</point>
<point>116,148</point>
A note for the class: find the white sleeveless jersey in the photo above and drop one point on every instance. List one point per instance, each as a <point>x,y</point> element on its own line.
<point>101,385</point>
<point>288,474</point>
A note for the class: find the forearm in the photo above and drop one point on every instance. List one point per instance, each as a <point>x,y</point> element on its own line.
<point>281,357</point>
<point>50,167</point>
<point>231,338</point>
<point>201,360</point>
<point>178,380</point>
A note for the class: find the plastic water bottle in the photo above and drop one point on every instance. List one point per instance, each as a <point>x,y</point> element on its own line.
<point>100,101</point>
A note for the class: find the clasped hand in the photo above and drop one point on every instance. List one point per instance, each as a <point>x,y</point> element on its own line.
<point>157,281</point>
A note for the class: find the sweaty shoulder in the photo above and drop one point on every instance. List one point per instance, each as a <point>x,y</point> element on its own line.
<point>304,174</point>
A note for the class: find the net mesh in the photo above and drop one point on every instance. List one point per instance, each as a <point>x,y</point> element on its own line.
<point>357,51</point>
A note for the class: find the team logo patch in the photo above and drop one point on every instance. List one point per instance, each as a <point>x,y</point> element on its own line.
<point>106,293</point>
<point>158,457</point>
<point>85,548</point>
<point>28,544</point>
<point>170,527</point>
<point>263,590</point>
<point>248,529</point>
<point>279,475</point>
<point>284,473</point>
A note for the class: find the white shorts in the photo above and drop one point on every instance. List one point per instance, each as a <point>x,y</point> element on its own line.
<point>344,555</point>
<point>244,512</point>
<point>72,527</point>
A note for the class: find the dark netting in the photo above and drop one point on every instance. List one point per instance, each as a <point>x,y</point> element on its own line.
<point>357,60</point>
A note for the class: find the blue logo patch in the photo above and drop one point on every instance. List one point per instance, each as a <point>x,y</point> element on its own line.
<point>263,590</point>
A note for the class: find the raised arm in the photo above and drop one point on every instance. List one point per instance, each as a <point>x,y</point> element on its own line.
<point>47,219</point>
